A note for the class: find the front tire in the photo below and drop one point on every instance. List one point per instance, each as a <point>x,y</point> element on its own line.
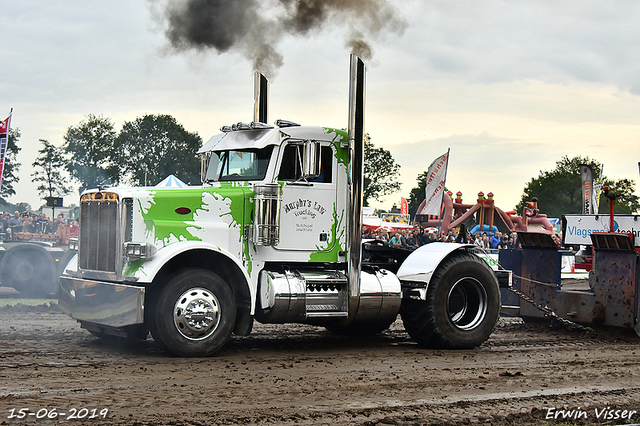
<point>194,314</point>
<point>462,305</point>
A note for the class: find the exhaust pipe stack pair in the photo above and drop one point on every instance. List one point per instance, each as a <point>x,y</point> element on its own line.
<point>355,143</point>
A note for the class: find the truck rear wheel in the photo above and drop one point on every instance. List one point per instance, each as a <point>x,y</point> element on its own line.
<point>194,314</point>
<point>30,270</point>
<point>462,305</point>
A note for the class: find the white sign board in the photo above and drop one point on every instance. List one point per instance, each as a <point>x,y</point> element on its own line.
<point>579,227</point>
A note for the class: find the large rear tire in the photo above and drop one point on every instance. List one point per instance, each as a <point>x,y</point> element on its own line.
<point>462,305</point>
<point>194,314</point>
<point>31,271</point>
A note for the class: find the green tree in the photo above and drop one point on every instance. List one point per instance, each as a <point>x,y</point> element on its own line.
<point>626,202</point>
<point>380,172</point>
<point>11,166</point>
<point>90,147</point>
<point>47,172</point>
<point>155,146</point>
<point>559,191</point>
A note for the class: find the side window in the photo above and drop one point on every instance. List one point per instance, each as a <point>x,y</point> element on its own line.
<point>326,170</point>
<point>290,168</point>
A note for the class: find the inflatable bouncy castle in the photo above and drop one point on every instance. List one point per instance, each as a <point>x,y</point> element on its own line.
<point>483,216</point>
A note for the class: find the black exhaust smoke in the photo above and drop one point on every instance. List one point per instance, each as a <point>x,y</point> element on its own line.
<point>254,27</point>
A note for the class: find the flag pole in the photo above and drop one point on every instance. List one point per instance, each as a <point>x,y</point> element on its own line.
<point>4,142</point>
<point>446,168</point>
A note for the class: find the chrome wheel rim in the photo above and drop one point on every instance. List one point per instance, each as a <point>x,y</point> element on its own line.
<point>467,303</point>
<point>196,314</point>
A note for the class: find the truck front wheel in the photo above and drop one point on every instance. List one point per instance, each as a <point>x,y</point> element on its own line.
<point>194,314</point>
<point>461,308</point>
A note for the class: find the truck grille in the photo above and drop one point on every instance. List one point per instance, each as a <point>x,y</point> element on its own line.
<point>98,232</point>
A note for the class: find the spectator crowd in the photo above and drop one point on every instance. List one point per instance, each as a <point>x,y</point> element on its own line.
<point>34,223</point>
<point>418,236</point>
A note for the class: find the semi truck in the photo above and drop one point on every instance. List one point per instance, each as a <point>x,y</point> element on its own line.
<point>272,235</point>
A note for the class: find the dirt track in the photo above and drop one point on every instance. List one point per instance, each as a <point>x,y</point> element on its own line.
<point>302,375</point>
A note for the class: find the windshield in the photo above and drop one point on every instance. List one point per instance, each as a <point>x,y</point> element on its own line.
<point>239,165</point>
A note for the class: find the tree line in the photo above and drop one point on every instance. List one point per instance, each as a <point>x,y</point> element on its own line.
<point>144,151</point>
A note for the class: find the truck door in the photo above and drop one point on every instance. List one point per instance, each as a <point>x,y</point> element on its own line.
<point>307,207</point>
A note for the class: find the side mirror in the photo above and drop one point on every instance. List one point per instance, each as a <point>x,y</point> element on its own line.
<point>311,163</point>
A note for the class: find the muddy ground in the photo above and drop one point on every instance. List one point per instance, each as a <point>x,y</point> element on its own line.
<point>303,375</point>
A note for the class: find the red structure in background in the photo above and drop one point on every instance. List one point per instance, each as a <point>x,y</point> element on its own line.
<point>485,214</point>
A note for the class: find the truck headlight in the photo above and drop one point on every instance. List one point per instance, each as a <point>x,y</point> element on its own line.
<point>139,250</point>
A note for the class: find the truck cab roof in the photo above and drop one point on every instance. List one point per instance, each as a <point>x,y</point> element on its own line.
<point>259,135</point>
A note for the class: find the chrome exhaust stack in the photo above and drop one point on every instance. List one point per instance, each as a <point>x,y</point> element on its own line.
<point>260,98</point>
<point>355,175</point>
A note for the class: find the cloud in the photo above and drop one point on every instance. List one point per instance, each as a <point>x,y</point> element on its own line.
<point>558,42</point>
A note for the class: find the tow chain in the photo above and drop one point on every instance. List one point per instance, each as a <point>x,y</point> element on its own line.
<point>547,311</point>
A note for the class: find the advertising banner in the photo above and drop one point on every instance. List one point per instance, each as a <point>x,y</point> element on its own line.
<point>578,228</point>
<point>586,174</point>
<point>434,190</point>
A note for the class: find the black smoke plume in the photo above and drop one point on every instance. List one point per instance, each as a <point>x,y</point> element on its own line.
<point>255,27</point>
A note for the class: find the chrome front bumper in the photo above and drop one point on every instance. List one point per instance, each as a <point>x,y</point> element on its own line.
<point>114,305</point>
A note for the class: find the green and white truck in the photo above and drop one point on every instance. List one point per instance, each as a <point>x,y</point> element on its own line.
<point>273,234</point>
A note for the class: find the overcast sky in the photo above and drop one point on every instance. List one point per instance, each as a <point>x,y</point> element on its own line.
<point>510,87</point>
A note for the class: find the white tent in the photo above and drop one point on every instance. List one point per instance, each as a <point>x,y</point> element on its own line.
<point>172,181</point>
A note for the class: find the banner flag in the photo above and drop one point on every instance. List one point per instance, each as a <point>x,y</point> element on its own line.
<point>434,189</point>
<point>4,140</point>
<point>586,174</point>
<point>404,206</point>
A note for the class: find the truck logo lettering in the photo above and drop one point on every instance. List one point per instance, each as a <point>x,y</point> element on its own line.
<point>302,207</point>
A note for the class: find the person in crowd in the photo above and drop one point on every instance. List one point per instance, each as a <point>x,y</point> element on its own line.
<point>462,235</point>
<point>495,239</point>
<point>513,240</point>
<point>41,222</point>
<point>486,240</point>
<point>365,233</point>
<point>504,242</point>
<point>15,223</point>
<point>425,237</point>
<point>381,235</point>
<point>396,240</point>
<point>47,227</point>
<point>74,229</point>
<point>59,221</point>
<point>27,225</point>
<point>403,237</point>
<point>4,218</point>
<point>478,241</point>
<point>411,240</point>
